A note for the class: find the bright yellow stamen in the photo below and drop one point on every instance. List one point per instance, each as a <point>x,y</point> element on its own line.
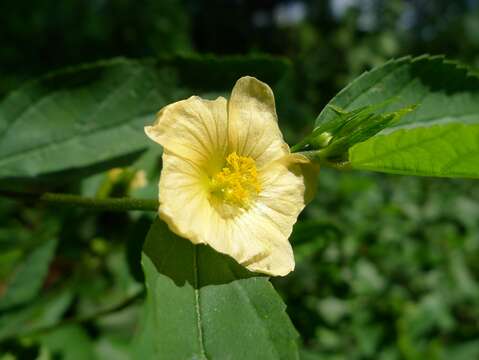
<point>237,182</point>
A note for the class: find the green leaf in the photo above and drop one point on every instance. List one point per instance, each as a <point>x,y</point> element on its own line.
<point>69,342</point>
<point>352,127</point>
<point>91,117</point>
<point>203,305</point>
<point>450,150</point>
<point>439,138</point>
<point>78,117</point>
<point>45,311</point>
<point>28,276</point>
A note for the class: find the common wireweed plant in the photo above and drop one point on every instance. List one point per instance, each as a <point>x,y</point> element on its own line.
<point>230,188</point>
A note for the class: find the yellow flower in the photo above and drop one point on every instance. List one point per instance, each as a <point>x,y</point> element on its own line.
<point>229,179</point>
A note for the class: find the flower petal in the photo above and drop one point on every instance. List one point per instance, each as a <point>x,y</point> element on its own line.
<point>252,122</point>
<point>310,171</point>
<point>183,196</point>
<point>256,237</point>
<point>187,208</point>
<point>277,208</point>
<point>195,129</point>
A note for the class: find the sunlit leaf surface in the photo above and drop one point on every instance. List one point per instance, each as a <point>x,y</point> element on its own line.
<point>439,138</point>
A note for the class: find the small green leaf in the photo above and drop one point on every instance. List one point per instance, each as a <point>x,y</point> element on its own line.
<point>438,138</point>
<point>45,311</point>
<point>352,127</point>
<point>69,342</point>
<point>29,274</point>
<point>203,305</point>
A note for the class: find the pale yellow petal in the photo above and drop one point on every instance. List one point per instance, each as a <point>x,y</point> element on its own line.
<point>309,170</point>
<point>277,208</point>
<point>257,238</point>
<point>234,236</point>
<point>195,129</point>
<point>252,122</point>
<point>187,207</point>
<point>183,195</point>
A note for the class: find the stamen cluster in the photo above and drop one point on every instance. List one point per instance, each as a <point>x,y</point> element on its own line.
<point>237,182</point>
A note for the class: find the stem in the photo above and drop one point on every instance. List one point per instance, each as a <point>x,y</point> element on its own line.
<point>299,146</point>
<point>320,156</point>
<point>343,165</point>
<point>107,204</point>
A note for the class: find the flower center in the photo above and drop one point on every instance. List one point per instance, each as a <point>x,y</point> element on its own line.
<point>237,182</point>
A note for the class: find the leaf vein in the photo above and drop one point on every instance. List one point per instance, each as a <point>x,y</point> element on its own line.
<point>197,303</point>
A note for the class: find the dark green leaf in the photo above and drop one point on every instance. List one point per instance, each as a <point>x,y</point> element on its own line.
<point>203,305</point>
<point>85,117</point>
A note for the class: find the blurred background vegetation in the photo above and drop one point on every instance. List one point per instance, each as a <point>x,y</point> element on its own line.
<point>387,266</point>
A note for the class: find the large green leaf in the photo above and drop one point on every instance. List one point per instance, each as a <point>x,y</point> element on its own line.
<point>79,117</point>
<point>82,117</point>
<point>439,138</point>
<point>450,150</point>
<point>203,305</point>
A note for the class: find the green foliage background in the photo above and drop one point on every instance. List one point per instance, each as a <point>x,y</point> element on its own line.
<point>387,266</point>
